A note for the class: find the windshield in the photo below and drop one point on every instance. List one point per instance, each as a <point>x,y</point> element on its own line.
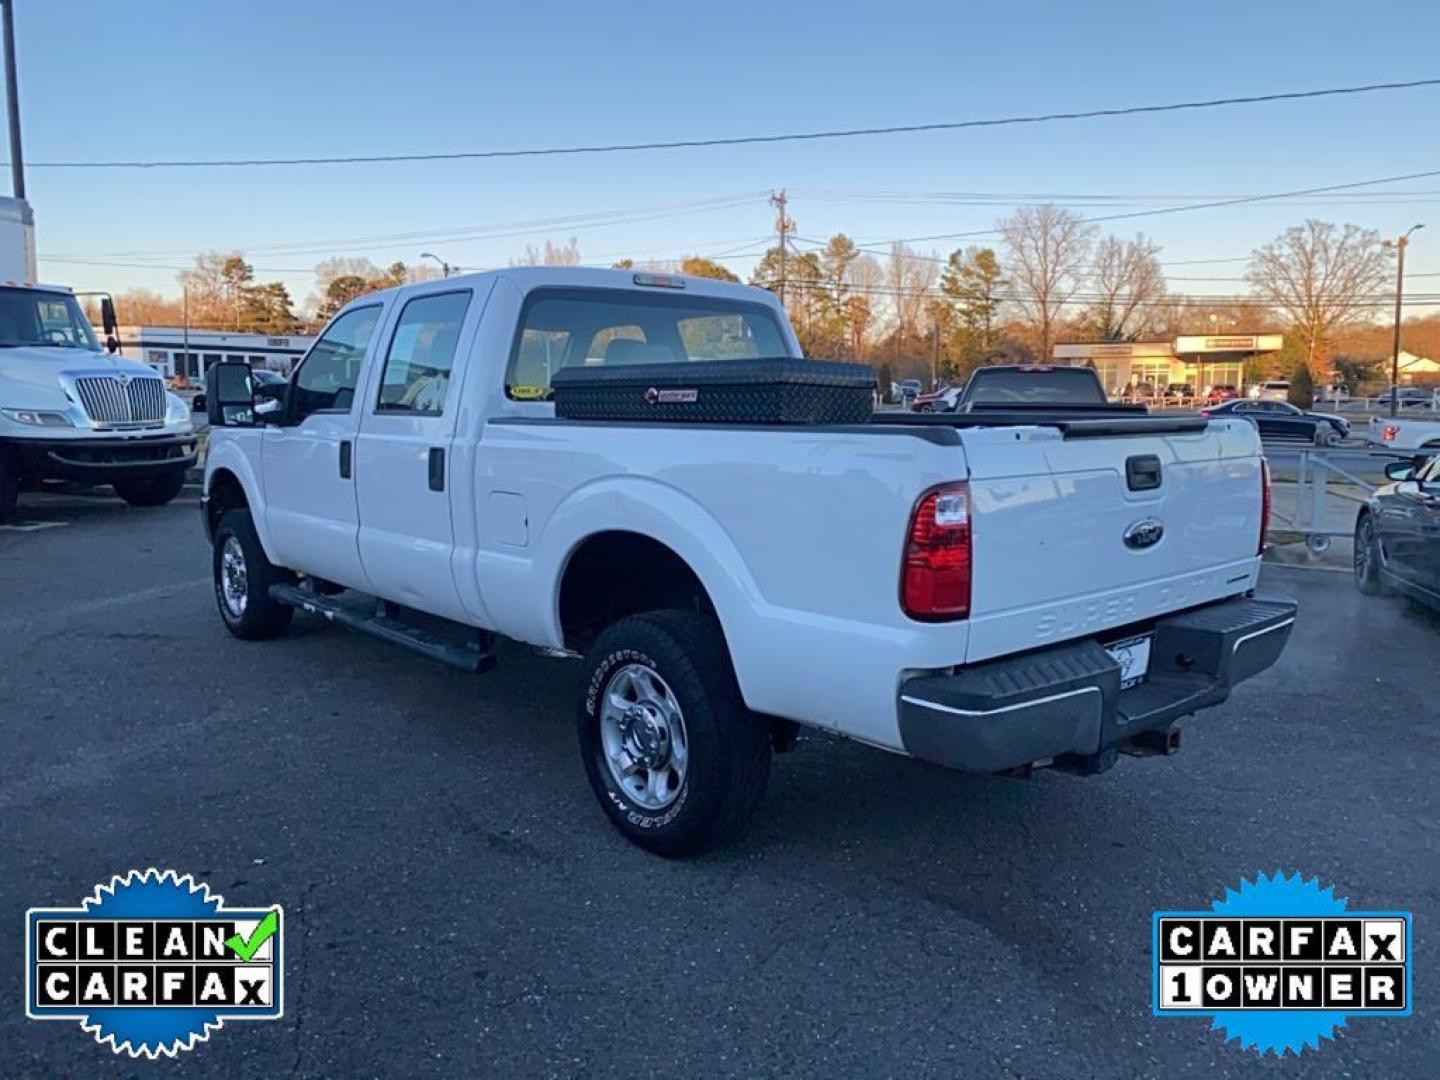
<point>623,327</point>
<point>35,317</point>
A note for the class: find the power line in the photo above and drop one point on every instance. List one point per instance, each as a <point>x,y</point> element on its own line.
<point>740,140</point>
<point>1010,198</point>
<point>1211,205</point>
<point>499,230</point>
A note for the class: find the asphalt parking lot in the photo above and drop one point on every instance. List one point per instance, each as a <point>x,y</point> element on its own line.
<point>457,905</point>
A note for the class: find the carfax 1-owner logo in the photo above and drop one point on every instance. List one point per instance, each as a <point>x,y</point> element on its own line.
<point>154,962</point>
<point>1281,963</point>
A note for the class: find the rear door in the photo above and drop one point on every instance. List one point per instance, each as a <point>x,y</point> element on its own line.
<point>1076,536</point>
<point>402,455</point>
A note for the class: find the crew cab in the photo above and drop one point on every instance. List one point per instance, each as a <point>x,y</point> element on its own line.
<point>995,591</point>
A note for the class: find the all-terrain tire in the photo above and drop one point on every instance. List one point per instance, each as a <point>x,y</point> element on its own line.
<point>242,592</point>
<point>150,490</point>
<point>728,748</point>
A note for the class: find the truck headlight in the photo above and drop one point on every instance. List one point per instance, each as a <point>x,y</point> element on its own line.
<point>175,408</point>
<point>38,417</point>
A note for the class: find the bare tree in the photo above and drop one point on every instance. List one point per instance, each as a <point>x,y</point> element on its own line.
<point>214,285</point>
<point>1319,276</point>
<point>552,254</point>
<point>909,278</point>
<point>865,280</point>
<point>1128,284</point>
<point>1047,252</point>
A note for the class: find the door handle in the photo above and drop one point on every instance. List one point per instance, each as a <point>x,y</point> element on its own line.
<point>346,459</point>
<point>437,468</point>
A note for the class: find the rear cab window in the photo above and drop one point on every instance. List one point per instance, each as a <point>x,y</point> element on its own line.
<point>1038,386</point>
<point>592,327</point>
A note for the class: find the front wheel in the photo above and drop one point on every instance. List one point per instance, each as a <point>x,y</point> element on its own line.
<point>150,490</point>
<point>1367,558</point>
<point>672,753</point>
<point>1329,436</point>
<point>243,576</point>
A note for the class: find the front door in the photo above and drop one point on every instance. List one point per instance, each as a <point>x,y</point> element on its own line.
<point>1422,553</point>
<point>402,455</point>
<point>307,458</point>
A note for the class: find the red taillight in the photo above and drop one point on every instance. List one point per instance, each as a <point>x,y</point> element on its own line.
<point>935,576</point>
<point>1264,503</point>
<point>1388,433</point>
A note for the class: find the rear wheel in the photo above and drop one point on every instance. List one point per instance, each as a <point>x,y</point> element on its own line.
<point>672,753</point>
<point>1329,436</point>
<point>1367,557</point>
<point>9,490</point>
<point>243,576</point>
<point>150,490</point>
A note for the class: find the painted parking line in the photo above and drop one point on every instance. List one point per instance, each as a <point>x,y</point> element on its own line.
<point>32,526</point>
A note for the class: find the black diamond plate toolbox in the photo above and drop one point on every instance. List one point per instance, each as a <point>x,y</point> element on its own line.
<point>785,390</point>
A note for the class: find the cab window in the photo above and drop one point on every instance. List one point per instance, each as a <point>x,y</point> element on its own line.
<point>623,328</point>
<point>328,376</point>
<point>421,354</point>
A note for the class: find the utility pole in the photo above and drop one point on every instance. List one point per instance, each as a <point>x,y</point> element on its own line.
<point>1400,245</point>
<point>935,366</point>
<point>783,225</point>
<point>12,97</point>
<point>185,329</point>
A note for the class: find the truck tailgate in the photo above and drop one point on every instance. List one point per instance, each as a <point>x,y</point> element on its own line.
<point>1073,536</point>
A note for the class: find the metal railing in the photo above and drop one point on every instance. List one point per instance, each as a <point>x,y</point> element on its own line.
<point>1319,481</point>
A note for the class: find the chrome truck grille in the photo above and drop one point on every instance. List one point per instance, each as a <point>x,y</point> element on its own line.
<point>111,399</point>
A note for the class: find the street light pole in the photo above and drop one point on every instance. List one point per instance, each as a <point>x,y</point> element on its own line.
<point>445,267</point>
<point>12,98</point>
<point>1400,245</point>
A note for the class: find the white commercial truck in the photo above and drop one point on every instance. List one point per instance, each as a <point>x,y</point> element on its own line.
<point>72,409</point>
<point>1018,586</point>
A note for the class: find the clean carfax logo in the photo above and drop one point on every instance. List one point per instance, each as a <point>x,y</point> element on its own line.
<point>153,962</point>
<point>1280,963</point>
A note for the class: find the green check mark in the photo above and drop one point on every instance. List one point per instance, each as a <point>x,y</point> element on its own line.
<point>261,934</point>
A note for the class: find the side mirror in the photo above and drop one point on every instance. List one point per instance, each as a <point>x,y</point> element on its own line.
<point>270,401</point>
<point>229,394</point>
<point>1399,470</point>
<point>112,344</point>
<point>108,321</point>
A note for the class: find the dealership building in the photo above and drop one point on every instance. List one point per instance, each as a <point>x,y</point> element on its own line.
<point>173,350</point>
<point>1200,361</point>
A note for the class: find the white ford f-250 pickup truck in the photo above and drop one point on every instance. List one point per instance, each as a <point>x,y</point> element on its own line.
<point>994,592</point>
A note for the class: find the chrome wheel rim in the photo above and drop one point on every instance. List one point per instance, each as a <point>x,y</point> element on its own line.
<point>643,738</point>
<point>1364,542</point>
<point>233,578</point>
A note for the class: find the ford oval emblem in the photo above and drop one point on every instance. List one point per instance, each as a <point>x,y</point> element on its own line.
<point>1144,534</point>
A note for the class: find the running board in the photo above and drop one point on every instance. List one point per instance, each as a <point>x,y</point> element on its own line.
<point>473,656</point>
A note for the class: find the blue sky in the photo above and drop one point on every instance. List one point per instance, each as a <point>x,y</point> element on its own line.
<point>177,78</point>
